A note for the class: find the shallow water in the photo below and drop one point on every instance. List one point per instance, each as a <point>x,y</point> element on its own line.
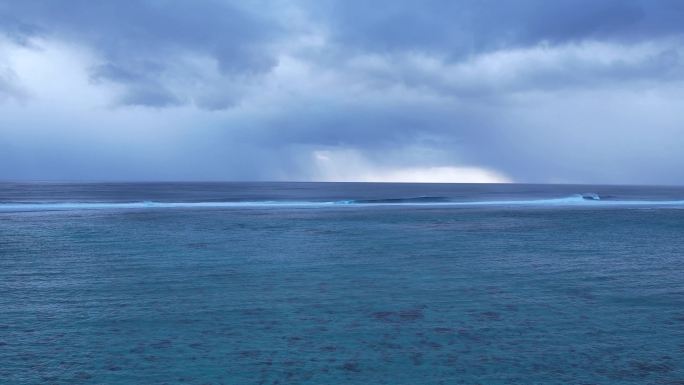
<point>353,294</point>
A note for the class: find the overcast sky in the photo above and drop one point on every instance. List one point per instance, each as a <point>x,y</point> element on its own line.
<point>581,91</point>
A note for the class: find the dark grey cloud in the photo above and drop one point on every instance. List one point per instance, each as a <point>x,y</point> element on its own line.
<point>139,42</point>
<point>141,88</point>
<point>459,33</point>
<point>465,27</point>
<point>549,69</point>
<point>565,90</point>
<point>366,126</point>
<point>122,31</point>
<point>142,44</point>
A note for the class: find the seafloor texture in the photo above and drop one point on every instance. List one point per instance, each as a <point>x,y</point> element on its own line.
<point>371,295</point>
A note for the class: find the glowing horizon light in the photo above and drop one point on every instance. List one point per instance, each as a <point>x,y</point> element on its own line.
<point>350,166</point>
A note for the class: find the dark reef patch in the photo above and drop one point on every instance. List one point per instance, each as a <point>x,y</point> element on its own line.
<point>489,316</point>
<point>406,315</point>
<point>351,366</point>
<point>645,368</point>
<point>161,344</point>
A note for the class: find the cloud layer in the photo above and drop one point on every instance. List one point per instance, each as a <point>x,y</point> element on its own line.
<point>470,91</point>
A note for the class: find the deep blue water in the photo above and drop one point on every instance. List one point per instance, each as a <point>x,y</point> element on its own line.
<point>306,283</point>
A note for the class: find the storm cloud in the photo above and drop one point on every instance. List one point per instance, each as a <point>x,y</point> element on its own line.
<point>492,91</point>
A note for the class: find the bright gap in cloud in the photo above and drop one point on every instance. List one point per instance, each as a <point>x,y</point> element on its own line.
<point>350,166</point>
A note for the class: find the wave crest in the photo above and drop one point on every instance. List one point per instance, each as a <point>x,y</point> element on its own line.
<point>581,200</point>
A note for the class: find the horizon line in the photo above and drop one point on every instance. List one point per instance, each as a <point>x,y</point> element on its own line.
<point>179,181</point>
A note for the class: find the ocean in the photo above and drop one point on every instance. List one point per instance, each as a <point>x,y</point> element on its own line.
<point>340,283</point>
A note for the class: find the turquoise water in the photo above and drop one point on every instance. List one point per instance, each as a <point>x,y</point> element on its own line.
<point>340,284</point>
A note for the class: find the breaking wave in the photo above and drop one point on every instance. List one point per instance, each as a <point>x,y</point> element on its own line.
<point>581,200</point>
<point>402,200</point>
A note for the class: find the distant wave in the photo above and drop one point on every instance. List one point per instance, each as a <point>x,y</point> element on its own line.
<point>147,205</point>
<point>581,200</point>
<point>402,200</point>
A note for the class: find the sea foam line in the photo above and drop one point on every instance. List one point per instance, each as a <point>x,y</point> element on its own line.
<point>572,201</point>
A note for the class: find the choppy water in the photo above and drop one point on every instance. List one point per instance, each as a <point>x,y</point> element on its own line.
<point>340,284</point>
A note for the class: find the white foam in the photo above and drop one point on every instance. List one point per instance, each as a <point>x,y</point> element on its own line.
<point>148,205</point>
<point>571,201</point>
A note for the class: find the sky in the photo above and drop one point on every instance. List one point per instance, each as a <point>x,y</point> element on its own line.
<point>525,91</point>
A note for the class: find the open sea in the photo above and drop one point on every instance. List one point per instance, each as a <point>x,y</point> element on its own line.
<point>340,283</point>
